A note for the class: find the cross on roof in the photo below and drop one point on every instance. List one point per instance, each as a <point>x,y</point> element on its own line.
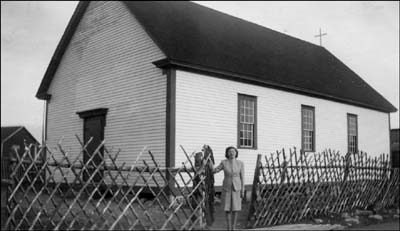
<point>320,36</point>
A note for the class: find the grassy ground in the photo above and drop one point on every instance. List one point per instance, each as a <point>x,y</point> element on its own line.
<point>102,215</point>
<point>78,218</point>
<point>332,219</point>
<point>220,221</point>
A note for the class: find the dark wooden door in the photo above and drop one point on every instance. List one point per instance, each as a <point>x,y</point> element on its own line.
<point>93,127</point>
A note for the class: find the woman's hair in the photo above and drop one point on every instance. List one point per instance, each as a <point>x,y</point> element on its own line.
<point>231,147</point>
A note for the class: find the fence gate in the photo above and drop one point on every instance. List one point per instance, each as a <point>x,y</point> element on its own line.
<point>288,187</point>
<point>60,192</point>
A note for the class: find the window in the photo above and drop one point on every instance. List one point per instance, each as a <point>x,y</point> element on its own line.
<point>352,133</point>
<point>308,128</point>
<point>247,121</point>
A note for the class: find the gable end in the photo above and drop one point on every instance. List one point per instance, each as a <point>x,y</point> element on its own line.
<point>60,50</point>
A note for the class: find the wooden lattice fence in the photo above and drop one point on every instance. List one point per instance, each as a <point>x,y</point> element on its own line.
<point>289,187</point>
<point>50,199</point>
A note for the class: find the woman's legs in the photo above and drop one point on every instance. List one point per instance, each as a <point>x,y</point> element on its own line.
<point>228,219</point>
<point>235,213</point>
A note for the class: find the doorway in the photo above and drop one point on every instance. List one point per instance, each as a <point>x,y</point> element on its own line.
<point>93,128</point>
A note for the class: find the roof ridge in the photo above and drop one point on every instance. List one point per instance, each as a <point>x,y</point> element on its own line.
<point>12,126</point>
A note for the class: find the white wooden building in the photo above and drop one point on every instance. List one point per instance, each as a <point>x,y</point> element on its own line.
<point>164,74</point>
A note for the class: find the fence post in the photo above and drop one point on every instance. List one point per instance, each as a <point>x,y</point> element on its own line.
<point>254,188</point>
<point>198,194</point>
<point>209,191</point>
<point>201,210</point>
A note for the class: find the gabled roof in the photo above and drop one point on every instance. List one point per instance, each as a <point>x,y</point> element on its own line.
<point>7,131</point>
<point>10,131</point>
<point>198,38</point>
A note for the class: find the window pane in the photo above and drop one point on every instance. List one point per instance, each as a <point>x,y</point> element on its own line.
<point>308,128</point>
<point>246,120</point>
<point>352,133</point>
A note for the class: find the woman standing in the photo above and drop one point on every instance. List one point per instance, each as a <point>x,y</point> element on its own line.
<point>233,185</point>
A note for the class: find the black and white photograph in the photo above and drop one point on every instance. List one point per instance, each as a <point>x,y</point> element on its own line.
<point>200,115</point>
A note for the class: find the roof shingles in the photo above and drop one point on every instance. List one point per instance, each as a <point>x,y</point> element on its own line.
<point>200,36</point>
<point>7,131</point>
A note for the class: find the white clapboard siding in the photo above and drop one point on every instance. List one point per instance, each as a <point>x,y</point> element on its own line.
<point>206,113</point>
<point>108,64</point>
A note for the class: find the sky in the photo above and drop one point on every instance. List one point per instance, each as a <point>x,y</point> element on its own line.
<point>363,35</point>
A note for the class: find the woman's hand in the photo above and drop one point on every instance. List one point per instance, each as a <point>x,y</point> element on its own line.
<point>210,165</point>
<point>242,193</point>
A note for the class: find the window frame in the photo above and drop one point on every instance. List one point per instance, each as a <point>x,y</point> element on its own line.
<point>311,108</point>
<point>349,115</point>
<point>254,98</point>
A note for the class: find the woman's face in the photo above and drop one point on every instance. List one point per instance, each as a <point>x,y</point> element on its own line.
<point>231,153</point>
